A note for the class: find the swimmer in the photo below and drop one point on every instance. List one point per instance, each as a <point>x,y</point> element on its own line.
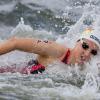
<point>86,47</point>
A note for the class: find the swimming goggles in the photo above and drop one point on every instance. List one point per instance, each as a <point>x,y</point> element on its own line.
<point>85,46</point>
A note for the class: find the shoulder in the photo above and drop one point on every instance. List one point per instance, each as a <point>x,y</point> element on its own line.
<point>62,49</point>
<point>64,52</point>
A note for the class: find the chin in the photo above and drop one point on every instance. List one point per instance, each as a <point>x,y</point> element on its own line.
<point>81,63</point>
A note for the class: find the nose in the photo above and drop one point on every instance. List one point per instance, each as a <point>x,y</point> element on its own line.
<point>87,54</point>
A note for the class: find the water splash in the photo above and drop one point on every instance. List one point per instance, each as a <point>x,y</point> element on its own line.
<point>22,29</point>
<point>90,84</point>
<point>64,82</point>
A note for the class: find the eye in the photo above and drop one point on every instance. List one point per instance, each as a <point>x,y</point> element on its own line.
<point>94,52</point>
<point>85,46</point>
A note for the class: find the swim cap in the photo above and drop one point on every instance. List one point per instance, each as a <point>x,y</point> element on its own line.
<point>92,35</point>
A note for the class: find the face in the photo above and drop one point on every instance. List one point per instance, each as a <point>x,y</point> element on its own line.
<point>83,51</point>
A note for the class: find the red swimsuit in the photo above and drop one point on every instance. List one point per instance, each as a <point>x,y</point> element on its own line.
<point>65,59</point>
<point>33,67</point>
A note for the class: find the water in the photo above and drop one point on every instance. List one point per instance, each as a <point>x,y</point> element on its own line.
<point>59,20</point>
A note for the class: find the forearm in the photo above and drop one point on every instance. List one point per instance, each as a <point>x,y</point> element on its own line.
<point>14,43</point>
<point>7,46</point>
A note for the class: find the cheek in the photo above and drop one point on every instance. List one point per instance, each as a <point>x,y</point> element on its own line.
<point>78,52</point>
<point>88,57</point>
<point>77,55</point>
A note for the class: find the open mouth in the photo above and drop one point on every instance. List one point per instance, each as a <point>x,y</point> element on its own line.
<point>81,60</point>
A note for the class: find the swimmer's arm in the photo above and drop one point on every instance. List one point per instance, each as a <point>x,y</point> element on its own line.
<point>44,48</point>
<point>7,46</point>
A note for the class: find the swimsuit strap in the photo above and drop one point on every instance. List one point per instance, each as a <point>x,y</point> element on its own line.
<point>65,59</point>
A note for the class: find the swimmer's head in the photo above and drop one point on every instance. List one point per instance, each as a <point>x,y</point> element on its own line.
<point>92,35</point>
